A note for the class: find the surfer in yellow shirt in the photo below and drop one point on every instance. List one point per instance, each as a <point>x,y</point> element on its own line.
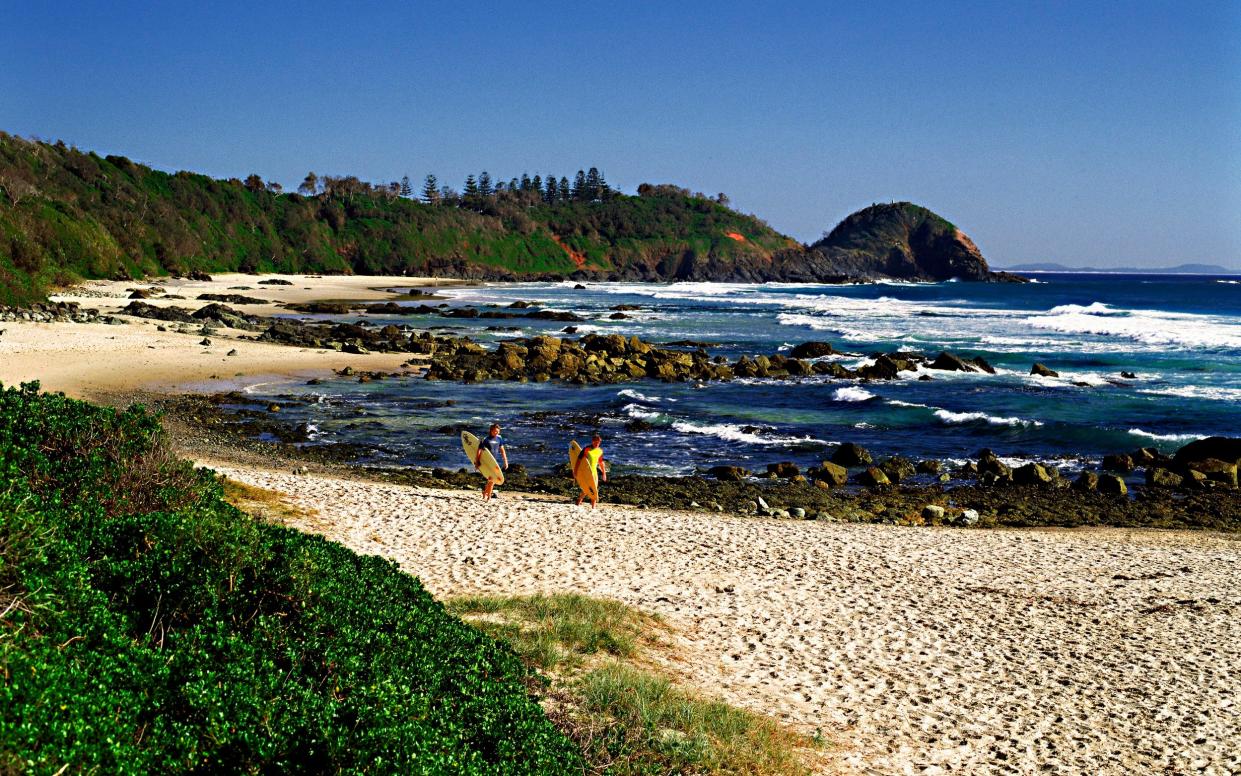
<point>592,455</point>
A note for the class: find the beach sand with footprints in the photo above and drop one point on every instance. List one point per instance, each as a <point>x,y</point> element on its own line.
<point>914,650</point>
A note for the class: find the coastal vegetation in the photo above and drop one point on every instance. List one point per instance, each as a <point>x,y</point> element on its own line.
<point>68,215</point>
<point>148,626</point>
<point>610,697</point>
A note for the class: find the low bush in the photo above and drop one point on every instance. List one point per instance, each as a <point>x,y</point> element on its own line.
<point>147,626</point>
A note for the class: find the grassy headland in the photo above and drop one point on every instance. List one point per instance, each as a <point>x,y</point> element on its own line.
<point>67,214</point>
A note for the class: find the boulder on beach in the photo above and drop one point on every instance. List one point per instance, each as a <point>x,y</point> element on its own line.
<point>990,463</point>
<point>728,473</point>
<point>873,477</point>
<point>850,454</point>
<point>1112,485</point>
<point>1159,477</point>
<point>1218,447</point>
<point>897,468</point>
<point>1032,474</point>
<point>783,469</point>
<point>1223,472</point>
<point>1121,462</point>
<point>831,474</point>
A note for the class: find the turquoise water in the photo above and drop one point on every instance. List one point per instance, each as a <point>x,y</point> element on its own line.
<point>1180,336</point>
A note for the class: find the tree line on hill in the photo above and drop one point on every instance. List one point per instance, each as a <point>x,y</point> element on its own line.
<point>67,214</point>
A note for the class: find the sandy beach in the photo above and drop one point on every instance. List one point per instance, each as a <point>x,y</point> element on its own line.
<point>96,360</point>
<point>914,650</point>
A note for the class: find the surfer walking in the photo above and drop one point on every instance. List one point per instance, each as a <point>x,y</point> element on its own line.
<point>592,456</point>
<point>494,444</point>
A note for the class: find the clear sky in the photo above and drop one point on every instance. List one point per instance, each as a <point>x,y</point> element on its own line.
<point>1103,133</point>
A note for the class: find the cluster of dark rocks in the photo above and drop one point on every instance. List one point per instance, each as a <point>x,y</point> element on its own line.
<point>55,312</point>
<point>612,358</point>
<point>835,472</point>
<point>442,310</point>
<point>214,314</point>
<point>1206,464</point>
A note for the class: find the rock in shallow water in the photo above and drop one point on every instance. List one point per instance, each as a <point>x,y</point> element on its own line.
<point>850,454</point>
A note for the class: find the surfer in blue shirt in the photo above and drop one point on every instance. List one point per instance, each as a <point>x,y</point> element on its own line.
<point>494,444</point>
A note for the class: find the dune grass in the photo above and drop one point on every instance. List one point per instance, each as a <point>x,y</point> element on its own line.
<point>264,503</point>
<point>628,718</point>
<point>556,632</point>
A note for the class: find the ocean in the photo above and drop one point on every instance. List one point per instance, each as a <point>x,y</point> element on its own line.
<point>1179,336</point>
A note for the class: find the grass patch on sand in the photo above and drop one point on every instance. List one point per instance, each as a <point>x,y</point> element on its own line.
<point>270,505</point>
<point>628,717</point>
<point>558,632</point>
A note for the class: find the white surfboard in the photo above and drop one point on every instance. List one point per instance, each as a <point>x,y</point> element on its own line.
<point>487,466</point>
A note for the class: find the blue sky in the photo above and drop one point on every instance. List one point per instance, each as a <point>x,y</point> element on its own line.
<point>1084,133</point>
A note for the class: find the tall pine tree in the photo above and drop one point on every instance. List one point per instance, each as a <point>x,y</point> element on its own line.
<point>579,186</point>
<point>593,184</point>
<point>406,189</point>
<point>551,195</point>
<point>430,190</point>
<point>484,184</point>
<point>565,192</point>
<point>471,187</point>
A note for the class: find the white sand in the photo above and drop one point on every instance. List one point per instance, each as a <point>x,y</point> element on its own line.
<point>919,650</point>
<point>90,360</point>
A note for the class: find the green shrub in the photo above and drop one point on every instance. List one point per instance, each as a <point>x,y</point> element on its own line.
<point>150,627</point>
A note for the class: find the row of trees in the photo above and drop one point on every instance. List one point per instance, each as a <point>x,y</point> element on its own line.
<point>586,186</point>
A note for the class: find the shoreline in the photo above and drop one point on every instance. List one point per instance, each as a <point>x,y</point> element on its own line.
<point>931,650</point>
<point>165,364</point>
<point>89,360</point>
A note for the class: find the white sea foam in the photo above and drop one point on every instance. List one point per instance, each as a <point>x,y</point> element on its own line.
<point>899,403</point>
<point>638,411</point>
<point>956,418</point>
<point>1151,327</point>
<point>1215,393</point>
<point>1165,437</point>
<point>852,393</point>
<point>630,393</point>
<point>1230,282</point>
<point>733,433</point>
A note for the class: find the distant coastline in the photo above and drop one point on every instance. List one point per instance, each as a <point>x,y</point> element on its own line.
<point>1179,269</point>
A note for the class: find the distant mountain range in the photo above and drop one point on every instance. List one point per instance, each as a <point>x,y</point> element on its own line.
<point>1179,269</point>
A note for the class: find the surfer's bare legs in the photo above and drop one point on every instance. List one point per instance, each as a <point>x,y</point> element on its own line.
<point>490,486</point>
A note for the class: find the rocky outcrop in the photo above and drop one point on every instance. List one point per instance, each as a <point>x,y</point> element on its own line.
<point>1218,447</point>
<point>898,240</point>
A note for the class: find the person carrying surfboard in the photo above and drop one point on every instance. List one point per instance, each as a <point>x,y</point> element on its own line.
<point>592,456</point>
<point>494,444</point>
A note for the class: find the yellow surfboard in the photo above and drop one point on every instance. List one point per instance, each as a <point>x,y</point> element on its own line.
<point>587,478</point>
<point>488,466</point>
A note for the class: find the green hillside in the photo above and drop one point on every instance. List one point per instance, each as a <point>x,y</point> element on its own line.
<point>147,626</point>
<point>67,214</point>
